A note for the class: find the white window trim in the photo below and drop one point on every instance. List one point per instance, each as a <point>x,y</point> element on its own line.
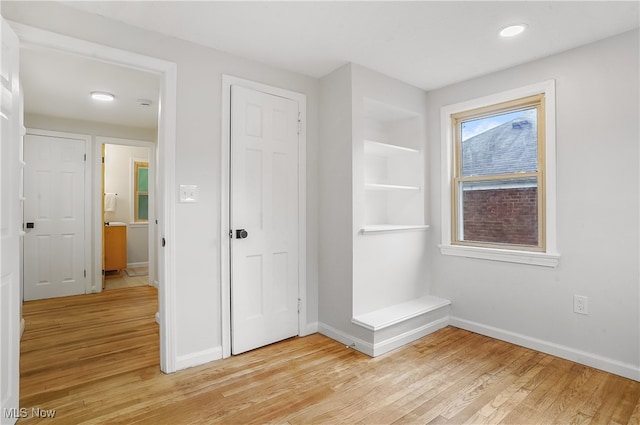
<point>549,258</point>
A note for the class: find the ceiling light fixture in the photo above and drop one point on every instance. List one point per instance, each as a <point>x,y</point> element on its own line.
<point>512,30</point>
<point>102,96</point>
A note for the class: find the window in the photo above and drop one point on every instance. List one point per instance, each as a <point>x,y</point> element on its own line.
<point>498,184</point>
<point>141,192</point>
<point>499,160</point>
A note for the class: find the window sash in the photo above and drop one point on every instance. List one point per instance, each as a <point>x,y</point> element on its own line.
<point>138,167</point>
<point>535,101</point>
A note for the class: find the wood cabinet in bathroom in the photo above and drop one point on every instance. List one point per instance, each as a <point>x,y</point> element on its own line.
<point>115,250</point>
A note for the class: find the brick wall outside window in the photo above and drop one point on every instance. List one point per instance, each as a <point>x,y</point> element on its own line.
<point>501,215</point>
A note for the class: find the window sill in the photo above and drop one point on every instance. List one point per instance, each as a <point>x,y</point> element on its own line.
<point>505,255</point>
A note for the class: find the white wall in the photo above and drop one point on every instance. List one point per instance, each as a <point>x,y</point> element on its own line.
<point>199,85</point>
<point>119,175</point>
<point>598,188</point>
<point>44,122</point>
<point>335,242</point>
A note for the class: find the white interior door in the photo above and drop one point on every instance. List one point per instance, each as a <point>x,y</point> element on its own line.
<point>54,257</point>
<point>264,202</point>
<point>10,222</point>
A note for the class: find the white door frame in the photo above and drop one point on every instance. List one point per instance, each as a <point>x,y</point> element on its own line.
<point>11,206</point>
<point>32,36</point>
<point>88,282</point>
<point>225,270</point>
<point>97,202</point>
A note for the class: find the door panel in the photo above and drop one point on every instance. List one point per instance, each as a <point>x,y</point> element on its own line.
<point>54,191</point>
<point>10,224</point>
<point>264,201</point>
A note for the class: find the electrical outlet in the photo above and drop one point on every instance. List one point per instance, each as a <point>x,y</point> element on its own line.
<point>580,304</point>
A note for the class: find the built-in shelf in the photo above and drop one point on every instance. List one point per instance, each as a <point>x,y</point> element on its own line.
<point>379,186</point>
<point>393,179</point>
<point>383,228</point>
<point>372,147</point>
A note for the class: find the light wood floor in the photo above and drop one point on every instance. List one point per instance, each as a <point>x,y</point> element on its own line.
<point>94,359</point>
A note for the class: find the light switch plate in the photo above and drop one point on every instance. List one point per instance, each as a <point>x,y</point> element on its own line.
<point>188,193</point>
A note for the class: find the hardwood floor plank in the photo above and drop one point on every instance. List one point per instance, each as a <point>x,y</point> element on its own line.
<point>581,390</point>
<point>634,419</point>
<point>503,402</point>
<point>486,367</point>
<point>94,359</point>
<point>623,410</point>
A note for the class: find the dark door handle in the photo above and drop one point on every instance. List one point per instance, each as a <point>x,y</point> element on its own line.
<point>241,234</point>
<point>30,225</point>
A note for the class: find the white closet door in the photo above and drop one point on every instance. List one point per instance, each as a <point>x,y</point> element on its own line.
<point>264,202</point>
<point>54,217</point>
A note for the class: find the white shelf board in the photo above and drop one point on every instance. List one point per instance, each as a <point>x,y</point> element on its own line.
<point>379,186</point>
<point>382,228</point>
<point>398,313</point>
<point>371,147</point>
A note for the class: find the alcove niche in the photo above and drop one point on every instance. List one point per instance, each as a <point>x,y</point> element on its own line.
<point>387,246</point>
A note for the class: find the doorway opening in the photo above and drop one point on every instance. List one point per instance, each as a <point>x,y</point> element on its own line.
<point>128,214</point>
<point>166,73</point>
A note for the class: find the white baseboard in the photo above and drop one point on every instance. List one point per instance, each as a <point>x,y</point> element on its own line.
<point>389,344</point>
<point>593,360</point>
<point>198,358</point>
<point>154,283</point>
<point>408,337</point>
<point>346,339</point>
<point>142,264</point>
<point>311,328</point>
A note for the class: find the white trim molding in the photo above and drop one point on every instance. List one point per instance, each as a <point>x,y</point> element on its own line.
<point>168,73</point>
<point>198,358</point>
<point>505,255</point>
<point>588,359</point>
<point>549,258</point>
<point>312,328</point>
<point>389,344</point>
<point>349,341</point>
<point>225,272</point>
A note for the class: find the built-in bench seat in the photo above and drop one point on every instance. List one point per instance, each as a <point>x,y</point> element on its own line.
<point>398,313</point>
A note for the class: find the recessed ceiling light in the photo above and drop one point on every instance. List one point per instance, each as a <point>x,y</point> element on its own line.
<point>512,30</point>
<point>102,96</point>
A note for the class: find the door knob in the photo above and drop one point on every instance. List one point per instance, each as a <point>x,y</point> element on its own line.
<point>241,234</point>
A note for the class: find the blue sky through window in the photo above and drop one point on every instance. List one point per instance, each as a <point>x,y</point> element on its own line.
<point>474,127</point>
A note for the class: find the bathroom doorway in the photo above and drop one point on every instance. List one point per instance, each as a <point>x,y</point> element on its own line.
<point>128,213</point>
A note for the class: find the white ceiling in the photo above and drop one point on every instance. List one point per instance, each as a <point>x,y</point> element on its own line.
<point>427,44</point>
<point>59,85</point>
